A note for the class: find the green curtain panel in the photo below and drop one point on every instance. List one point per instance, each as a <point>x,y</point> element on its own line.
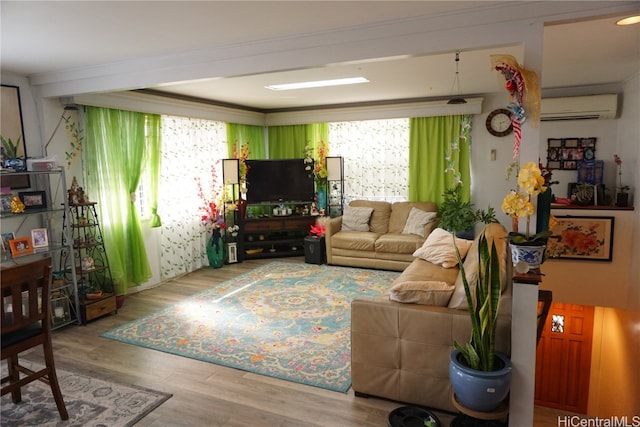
<point>436,147</point>
<point>252,135</point>
<point>154,139</point>
<point>289,142</point>
<point>317,133</point>
<point>117,148</point>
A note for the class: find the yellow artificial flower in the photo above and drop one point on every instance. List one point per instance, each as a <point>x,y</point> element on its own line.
<point>530,179</point>
<point>517,204</point>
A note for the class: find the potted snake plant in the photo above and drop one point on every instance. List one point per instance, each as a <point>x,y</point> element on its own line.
<point>481,377</point>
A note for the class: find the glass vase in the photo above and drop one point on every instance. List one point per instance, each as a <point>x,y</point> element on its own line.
<point>216,250</point>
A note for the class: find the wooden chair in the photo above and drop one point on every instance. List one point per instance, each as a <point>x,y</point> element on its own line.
<point>25,324</point>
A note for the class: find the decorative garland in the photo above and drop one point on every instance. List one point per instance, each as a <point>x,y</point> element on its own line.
<point>523,87</point>
<point>454,146</point>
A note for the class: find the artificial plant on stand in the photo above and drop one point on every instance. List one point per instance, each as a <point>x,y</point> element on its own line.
<point>212,217</point>
<point>526,247</point>
<point>320,173</point>
<point>243,155</point>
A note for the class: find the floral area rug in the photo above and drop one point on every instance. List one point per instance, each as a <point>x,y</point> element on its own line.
<point>285,320</point>
<point>90,402</point>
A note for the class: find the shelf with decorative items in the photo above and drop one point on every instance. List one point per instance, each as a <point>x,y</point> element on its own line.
<point>335,186</point>
<point>88,257</point>
<point>267,236</point>
<point>32,218</point>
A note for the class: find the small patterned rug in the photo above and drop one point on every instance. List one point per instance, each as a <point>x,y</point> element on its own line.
<point>285,320</point>
<point>90,402</point>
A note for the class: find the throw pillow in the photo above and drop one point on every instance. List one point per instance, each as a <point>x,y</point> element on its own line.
<point>417,220</point>
<point>438,248</point>
<point>356,219</point>
<point>424,292</point>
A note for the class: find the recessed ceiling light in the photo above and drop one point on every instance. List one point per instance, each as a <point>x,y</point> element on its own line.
<point>629,20</point>
<point>318,83</point>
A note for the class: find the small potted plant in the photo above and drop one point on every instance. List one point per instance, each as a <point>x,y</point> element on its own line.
<point>460,217</point>
<point>10,157</point>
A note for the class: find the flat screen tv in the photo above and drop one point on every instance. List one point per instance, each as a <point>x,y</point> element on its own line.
<point>283,180</point>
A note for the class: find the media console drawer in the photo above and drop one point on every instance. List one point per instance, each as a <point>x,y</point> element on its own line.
<point>278,224</point>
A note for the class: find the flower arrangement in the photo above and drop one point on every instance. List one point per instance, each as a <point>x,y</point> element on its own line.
<point>517,204</point>
<point>244,168</point>
<point>211,210</point>
<point>319,163</point>
<point>318,230</point>
<point>618,160</point>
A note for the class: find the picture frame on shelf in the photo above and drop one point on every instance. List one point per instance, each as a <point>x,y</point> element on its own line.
<point>587,238</point>
<point>6,238</point>
<point>21,246</point>
<point>33,199</point>
<point>11,127</point>
<point>5,202</point>
<point>40,238</point>
<point>60,309</point>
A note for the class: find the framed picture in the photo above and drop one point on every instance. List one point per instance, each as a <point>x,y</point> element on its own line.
<point>11,128</point>
<point>39,238</point>
<point>21,246</point>
<point>566,153</point>
<point>5,202</point>
<point>6,237</point>
<point>588,238</point>
<point>33,199</point>
<point>60,312</point>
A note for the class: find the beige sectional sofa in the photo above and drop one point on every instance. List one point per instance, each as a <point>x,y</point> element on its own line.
<point>388,238</point>
<point>399,350</point>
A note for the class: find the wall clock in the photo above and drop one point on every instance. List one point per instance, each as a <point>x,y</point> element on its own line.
<point>499,122</point>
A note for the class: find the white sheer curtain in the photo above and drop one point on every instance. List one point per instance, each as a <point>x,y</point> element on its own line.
<point>376,158</point>
<point>190,148</point>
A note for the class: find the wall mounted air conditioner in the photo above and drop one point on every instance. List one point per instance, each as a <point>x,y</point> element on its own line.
<point>579,107</point>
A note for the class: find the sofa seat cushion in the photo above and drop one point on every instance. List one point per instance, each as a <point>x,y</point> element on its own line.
<point>398,243</point>
<point>427,292</point>
<point>355,240</point>
<point>425,283</point>
<point>421,270</point>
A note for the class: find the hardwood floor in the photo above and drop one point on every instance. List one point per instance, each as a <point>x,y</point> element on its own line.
<point>205,393</point>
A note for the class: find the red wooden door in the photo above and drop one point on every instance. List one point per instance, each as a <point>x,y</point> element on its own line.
<point>563,358</point>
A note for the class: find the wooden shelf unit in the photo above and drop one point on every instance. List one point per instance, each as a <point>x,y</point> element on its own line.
<point>274,236</point>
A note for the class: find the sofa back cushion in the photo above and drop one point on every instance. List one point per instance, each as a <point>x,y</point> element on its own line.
<point>494,233</point>
<point>356,218</point>
<point>379,222</point>
<point>400,212</point>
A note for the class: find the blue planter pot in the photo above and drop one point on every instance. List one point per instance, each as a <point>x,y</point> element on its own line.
<point>530,254</point>
<point>479,390</point>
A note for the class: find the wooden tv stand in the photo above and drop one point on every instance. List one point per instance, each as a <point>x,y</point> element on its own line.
<point>274,236</point>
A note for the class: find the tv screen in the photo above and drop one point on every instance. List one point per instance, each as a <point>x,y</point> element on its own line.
<point>283,180</point>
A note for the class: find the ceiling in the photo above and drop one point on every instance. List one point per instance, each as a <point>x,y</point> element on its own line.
<point>58,41</point>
